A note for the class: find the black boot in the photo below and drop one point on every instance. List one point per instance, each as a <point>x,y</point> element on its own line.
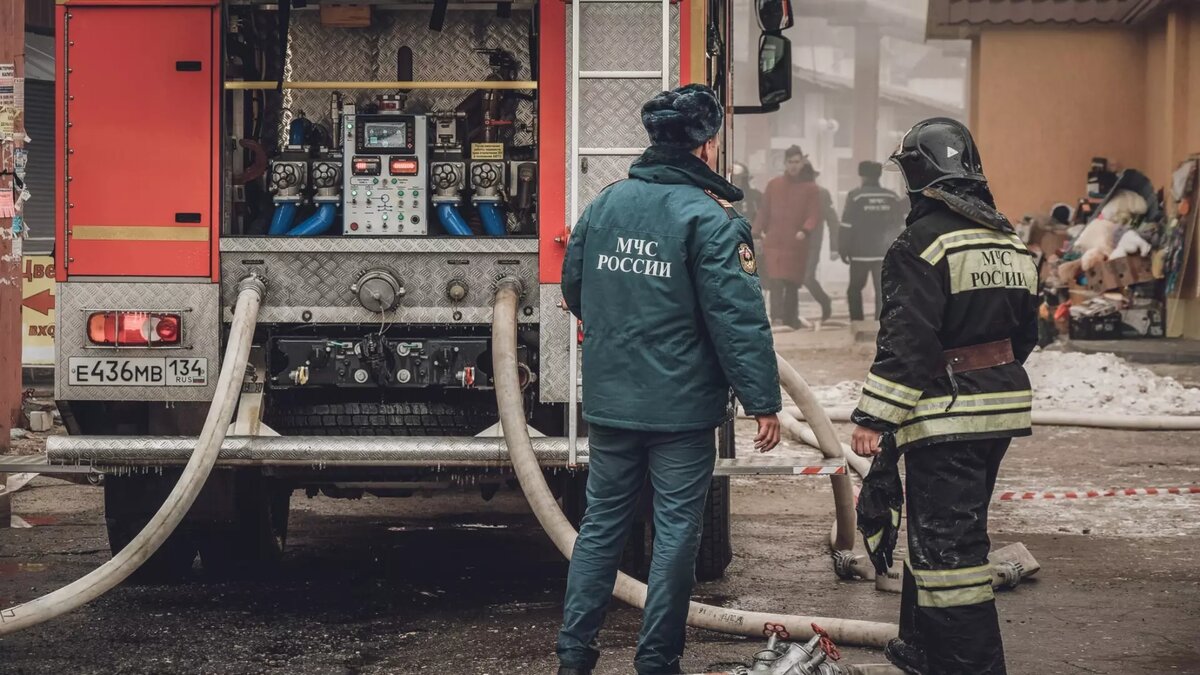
<point>564,670</point>
<point>906,657</point>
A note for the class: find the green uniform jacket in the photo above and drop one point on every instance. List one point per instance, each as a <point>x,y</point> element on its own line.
<point>661,269</point>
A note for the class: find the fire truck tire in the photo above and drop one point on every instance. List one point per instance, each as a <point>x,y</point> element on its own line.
<point>380,419</point>
<point>253,542</point>
<point>716,545</point>
<point>129,503</point>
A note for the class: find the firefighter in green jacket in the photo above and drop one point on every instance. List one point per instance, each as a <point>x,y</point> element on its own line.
<point>947,390</point>
<point>662,271</point>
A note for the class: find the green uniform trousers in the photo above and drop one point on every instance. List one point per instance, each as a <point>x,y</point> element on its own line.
<point>680,467</point>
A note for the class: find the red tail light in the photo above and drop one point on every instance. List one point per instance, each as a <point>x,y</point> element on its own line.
<point>579,332</point>
<point>134,329</point>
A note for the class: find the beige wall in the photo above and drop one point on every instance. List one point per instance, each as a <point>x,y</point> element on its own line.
<point>1043,110</point>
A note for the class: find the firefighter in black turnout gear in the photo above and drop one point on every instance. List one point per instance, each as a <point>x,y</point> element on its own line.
<point>872,219</point>
<point>948,392</point>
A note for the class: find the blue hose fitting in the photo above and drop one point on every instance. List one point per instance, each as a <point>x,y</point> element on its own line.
<point>452,221</point>
<point>316,224</point>
<point>281,220</point>
<point>492,218</point>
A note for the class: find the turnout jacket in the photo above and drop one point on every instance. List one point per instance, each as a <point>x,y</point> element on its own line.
<point>958,276</point>
<point>662,271</point>
<point>870,222</point>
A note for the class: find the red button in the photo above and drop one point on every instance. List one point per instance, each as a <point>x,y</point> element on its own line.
<point>354,226</point>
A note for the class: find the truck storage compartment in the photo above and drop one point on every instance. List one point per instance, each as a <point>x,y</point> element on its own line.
<point>140,96</point>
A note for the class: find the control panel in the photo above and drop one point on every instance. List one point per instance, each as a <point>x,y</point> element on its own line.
<point>375,361</point>
<point>385,174</point>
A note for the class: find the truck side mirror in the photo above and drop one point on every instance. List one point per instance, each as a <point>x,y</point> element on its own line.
<point>774,15</point>
<point>774,69</point>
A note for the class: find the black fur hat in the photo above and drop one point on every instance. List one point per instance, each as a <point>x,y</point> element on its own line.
<point>685,117</point>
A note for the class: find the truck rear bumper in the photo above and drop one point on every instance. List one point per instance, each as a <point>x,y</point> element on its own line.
<point>101,453</point>
<point>312,451</point>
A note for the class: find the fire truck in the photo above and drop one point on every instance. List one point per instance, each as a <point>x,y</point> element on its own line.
<point>379,166</point>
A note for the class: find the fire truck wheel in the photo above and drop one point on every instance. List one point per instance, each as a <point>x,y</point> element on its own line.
<point>716,549</point>
<point>129,503</point>
<point>252,542</point>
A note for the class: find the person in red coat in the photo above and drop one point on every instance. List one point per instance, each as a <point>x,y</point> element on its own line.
<point>789,213</point>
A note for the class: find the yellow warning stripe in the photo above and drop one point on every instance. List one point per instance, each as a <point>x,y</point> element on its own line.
<point>882,409</point>
<point>962,424</point>
<point>956,597</point>
<point>934,253</point>
<point>138,233</point>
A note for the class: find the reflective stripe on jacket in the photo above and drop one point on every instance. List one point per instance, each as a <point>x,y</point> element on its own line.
<point>951,282</point>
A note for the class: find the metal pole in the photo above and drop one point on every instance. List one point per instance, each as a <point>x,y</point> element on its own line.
<point>12,51</point>
<point>573,359</point>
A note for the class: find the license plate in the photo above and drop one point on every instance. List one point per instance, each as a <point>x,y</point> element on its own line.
<point>137,372</point>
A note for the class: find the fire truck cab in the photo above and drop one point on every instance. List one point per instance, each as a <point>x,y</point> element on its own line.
<point>379,166</point>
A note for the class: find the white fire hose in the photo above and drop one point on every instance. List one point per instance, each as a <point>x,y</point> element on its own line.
<point>169,515</point>
<point>546,509</point>
<point>1066,418</point>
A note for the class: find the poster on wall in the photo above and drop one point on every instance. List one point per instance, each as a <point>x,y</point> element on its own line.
<point>37,311</point>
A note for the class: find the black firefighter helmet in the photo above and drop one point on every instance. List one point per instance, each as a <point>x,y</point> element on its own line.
<point>936,150</point>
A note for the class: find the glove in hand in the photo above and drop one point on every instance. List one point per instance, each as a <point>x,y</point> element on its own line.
<point>879,504</point>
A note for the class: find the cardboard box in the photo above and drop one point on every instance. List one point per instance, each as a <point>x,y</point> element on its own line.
<point>1121,273</point>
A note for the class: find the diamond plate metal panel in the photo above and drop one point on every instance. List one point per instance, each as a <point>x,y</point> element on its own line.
<point>608,116</point>
<point>624,36</point>
<point>315,276</point>
<point>601,172</point>
<point>554,351</point>
<point>201,334</point>
<point>366,54</point>
<point>613,114</point>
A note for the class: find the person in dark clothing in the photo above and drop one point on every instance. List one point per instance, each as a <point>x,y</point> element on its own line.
<point>871,220</point>
<point>948,391</point>
<point>662,271</point>
<point>829,220</point>
<point>788,216</point>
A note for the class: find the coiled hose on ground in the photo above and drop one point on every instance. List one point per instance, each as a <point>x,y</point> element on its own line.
<point>169,515</point>
<point>550,516</point>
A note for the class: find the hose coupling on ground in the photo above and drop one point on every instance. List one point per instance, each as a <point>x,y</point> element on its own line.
<point>1008,574</point>
<point>253,282</point>
<point>843,565</point>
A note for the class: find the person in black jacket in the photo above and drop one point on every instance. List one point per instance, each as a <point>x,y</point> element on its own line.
<point>872,218</point>
<point>948,391</point>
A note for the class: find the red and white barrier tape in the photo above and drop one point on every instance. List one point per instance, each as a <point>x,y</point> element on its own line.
<point>1090,494</point>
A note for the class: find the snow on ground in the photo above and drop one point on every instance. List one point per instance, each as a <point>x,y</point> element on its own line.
<point>1078,382</point>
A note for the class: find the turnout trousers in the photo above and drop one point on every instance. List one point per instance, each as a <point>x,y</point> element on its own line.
<point>946,606</point>
<point>680,467</point>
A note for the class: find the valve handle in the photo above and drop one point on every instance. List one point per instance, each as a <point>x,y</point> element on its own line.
<point>826,643</point>
<point>776,629</point>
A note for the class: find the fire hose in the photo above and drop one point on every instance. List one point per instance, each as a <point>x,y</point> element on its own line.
<point>172,511</point>
<point>1064,418</point>
<point>509,401</point>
